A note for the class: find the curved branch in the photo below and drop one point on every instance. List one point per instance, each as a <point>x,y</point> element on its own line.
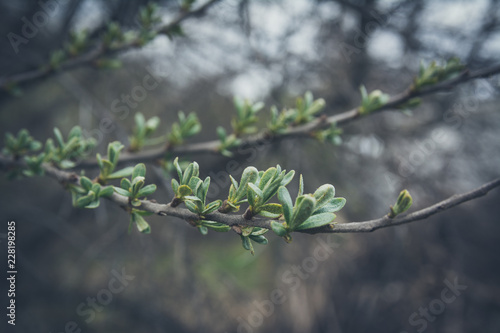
<point>97,51</point>
<point>384,222</point>
<point>233,220</point>
<point>304,131</point>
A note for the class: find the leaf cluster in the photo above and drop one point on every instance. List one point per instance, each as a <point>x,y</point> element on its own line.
<point>309,211</point>
<point>372,101</point>
<point>142,131</point>
<point>434,73</point>
<point>134,188</point>
<point>188,181</point>
<point>107,166</point>
<point>227,142</point>
<point>20,145</point>
<point>87,195</point>
<point>184,128</point>
<point>265,187</point>
<point>64,153</point>
<point>305,111</point>
<point>246,116</point>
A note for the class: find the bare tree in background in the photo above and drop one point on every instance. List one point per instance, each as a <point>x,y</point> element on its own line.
<point>199,56</point>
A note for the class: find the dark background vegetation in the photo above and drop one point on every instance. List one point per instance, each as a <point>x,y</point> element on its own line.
<point>271,51</point>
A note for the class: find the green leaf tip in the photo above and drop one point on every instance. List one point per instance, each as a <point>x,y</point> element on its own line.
<point>403,203</point>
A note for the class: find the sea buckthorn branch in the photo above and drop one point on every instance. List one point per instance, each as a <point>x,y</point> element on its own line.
<point>303,121</point>
<point>311,213</point>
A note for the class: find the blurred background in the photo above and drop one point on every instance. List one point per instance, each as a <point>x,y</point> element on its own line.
<point>175,279</point>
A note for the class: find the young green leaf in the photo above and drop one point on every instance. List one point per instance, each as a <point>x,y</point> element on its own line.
<point>184,190</point>
<point>333,206</point>
<point>85,200</point>
<point>271,210</point>
<point>125,172</point>
<point>323,195</point>
<point>304,208</point>
<point>216,226</point>
<point>121,191</point>
<point>141,223</point>
<point>146,190</point>
<point>178,168</point>
<point>259,239</point>
<point>86,183</point>
<point>139,171</point>
<point>125,184</point>
<point>93,204</point>
<point>106,191</point>
<point>175,185</point>
<point>192,206</point>
<point>278,228</point>
<point>212,207</point>
<point>301,186</point>
<point>203,230</point>
<point>250,175</point>
<point>316,221</point>
<point>255,190</point>
<point>247,244</point>
<point>286,202</point>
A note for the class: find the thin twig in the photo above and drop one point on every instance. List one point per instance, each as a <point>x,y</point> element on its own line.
<point>96,52</point>
<point>65,177</point>
<point>304,131</point>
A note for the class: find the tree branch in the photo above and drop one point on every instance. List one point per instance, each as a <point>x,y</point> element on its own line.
<point>235,220</point>
<point>303,131</point>
<point>385,221</point>
<point>96,52</point>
